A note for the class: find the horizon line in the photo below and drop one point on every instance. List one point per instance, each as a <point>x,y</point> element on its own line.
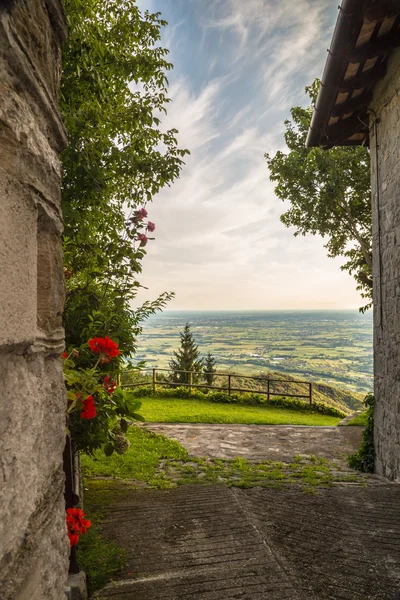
<point>263,310</point>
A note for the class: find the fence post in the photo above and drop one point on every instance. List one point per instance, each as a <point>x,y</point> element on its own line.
<point>310,393</point>
<point>229,385</point>
<point>190,380</point>
<point>268,391</point>
<point>154,380</point>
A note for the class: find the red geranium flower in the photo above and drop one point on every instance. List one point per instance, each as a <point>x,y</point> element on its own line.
<point>64,355</point>
<point>109,384</point>
<point>76,524</point>
<point>73,539</point>
<point>89,408</point>
<point>105,347</point>
<point>150,227</point>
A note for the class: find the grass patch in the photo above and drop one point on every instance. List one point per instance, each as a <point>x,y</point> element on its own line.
<point>140,462</point>
<point>361,420</point>
<point>98,557</point>
<point>307,472</point>
<point>250,398</point>
<point>182,410</point>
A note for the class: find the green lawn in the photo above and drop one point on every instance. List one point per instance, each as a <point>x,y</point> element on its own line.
<point>142,460</point>
<point>174,410</point>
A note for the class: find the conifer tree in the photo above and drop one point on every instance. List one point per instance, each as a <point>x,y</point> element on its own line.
<point>209,368</point>
<point>186,359</point>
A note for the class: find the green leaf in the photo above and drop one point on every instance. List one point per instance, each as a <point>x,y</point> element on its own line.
<point>108,449</point>
<point>137,417</point>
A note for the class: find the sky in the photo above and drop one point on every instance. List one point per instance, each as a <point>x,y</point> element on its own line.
<point>239,66</point>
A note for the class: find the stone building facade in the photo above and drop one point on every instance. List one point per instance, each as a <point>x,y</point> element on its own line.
<point>385,174</point>
<point>359,103</point>
<point>33,542</point>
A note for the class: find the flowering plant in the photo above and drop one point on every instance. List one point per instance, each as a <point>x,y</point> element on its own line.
<point>136,224</point>
<point>97,408</point>
<point>76,525</point>
<point>105,347</point>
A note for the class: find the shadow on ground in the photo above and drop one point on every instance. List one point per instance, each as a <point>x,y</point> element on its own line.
<point>219,543</point>
<point>215,543</point>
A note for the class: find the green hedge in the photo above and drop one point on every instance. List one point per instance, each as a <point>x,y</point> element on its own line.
<point>249,399</point>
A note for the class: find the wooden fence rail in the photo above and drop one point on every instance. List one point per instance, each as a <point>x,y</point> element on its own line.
<point>266,383</point>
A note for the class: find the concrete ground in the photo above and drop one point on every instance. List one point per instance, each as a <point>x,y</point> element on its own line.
<point>215,543</point>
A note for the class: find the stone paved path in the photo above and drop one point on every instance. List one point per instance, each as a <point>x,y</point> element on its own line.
<point>263,442</point>
<point>215,543</point>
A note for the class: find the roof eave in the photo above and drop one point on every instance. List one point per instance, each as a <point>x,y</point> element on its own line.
<point>347,30</point>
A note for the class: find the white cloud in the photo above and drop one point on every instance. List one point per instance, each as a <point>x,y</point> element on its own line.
<point>219,241</point>
<point>189,112</point>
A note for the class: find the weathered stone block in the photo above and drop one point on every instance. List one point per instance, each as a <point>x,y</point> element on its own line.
<point>34,546</point>
<point>18,216</point>
<point>50,276</point>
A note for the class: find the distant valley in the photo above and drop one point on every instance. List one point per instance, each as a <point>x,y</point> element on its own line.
<point>331,347</point>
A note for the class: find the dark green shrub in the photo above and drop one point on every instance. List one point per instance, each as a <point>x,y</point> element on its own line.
<point>364,459</point>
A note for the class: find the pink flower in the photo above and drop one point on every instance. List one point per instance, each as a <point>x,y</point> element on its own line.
<point>143,239</point>
<point>141,214</point>
<point>150,227</point>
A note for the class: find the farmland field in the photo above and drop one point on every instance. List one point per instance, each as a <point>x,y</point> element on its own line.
<point>333,347</point>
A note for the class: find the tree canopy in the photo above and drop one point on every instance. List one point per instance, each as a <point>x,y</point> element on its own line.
<point>113,96</point>
<point>329,194</point>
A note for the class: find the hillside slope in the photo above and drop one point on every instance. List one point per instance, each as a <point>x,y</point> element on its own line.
<point>339,398</point>
<point>281,384</point>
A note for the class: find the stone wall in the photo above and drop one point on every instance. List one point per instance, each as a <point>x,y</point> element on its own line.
<point>385,158</point>
<point>33,541</point>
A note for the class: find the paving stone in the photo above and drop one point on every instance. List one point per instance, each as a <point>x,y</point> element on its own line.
<point>216,543</point>
<point>263,442</point>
